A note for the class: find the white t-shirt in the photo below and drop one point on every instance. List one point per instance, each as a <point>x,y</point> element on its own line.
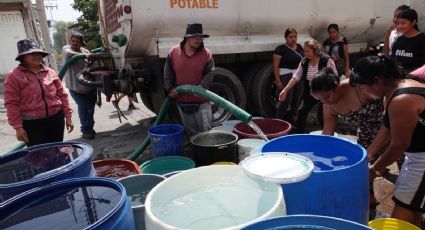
<point>70,77</point>
<point>393,37</point>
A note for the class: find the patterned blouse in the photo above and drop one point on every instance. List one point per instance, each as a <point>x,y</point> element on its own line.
<point>368,119</point>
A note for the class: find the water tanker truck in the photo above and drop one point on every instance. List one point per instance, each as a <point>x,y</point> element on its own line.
<point>139,33</point>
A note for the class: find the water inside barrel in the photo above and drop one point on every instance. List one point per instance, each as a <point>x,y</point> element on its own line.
<point>213,206</point>
<point>138,198</point>
<point>327,162</point>
<point>36,163</point>
<point>115,170</point>
<point>71,209</point>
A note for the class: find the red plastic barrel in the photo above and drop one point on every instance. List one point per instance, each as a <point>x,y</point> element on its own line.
<point>272,128</point>
<point>116,168</point>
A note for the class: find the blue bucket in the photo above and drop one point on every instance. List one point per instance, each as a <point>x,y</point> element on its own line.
<point>39,165</point>
<point>166,140</point>
<point>78,203</point>
<point>339,184</point>
<point>306,222</point>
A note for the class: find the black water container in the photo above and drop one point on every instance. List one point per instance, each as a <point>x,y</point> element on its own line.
<point>214,146</point>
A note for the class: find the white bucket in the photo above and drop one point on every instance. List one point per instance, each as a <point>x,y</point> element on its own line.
<point>212,197</point>
<point>350,138</point>
<point>245,146</point>
<point>319,132</point>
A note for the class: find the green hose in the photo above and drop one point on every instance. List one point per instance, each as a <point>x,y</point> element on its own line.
<point>69,62</point>
<point>219,101</point>
<point>191,89</point>
<point>162,112</point>
<point>20,145</point>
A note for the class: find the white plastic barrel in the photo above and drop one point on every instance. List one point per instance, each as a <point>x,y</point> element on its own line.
<point>212,197</point>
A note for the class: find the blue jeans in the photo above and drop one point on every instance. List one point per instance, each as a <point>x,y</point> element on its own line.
<point>86,104</point>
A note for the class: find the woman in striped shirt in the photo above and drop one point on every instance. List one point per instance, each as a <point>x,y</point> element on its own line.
<point>313,61</point>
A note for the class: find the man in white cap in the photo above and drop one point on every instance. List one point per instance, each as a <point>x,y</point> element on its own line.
<point>85,97</point>
<point>190,63</point>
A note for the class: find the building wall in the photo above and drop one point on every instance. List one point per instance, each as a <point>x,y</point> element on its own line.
<point>18,20</point>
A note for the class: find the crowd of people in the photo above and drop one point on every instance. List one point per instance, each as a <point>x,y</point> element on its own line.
<point>383,95</point>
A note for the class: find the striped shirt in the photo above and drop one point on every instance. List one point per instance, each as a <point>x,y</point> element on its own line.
<point>312,70</point>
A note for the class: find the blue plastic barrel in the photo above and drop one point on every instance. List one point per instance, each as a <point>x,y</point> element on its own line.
<point>78,203</point>
<point>306,222</point>
<point>38,165</point>
<point>338,186</point>
<point>166,140</point>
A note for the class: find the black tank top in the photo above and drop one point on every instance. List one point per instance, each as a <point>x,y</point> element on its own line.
<point>418,138</point>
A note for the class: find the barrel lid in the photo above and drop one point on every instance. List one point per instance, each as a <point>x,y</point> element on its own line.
<point>278,167</point>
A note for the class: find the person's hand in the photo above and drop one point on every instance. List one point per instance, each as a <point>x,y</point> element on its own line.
<point>173,93</point>
<point>69,125</point>
<point>21,135</point>
<point>90,57</point>
<point>372,158</point>
<point>282,95</point>
<point>279,85</point>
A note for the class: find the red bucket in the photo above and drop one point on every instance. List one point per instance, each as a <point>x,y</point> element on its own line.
<point>272,128</point>
<point>116,168</point>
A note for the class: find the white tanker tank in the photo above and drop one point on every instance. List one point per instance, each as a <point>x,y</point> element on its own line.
<point>243,34</point>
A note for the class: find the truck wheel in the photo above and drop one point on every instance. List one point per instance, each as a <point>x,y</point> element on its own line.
<point>264,93</point>
<point>228,86</point>
<point>248,79</point>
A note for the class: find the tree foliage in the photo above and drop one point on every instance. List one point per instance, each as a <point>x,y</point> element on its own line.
<point>87,23</point>
<point>59,35</point>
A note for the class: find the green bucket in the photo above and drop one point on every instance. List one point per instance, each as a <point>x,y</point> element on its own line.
<point>164,165</point>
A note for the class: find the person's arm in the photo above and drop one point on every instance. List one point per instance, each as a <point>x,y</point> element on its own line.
<point>381,139</point>
<point>403,114</point>
<point>294,80</point>
<point>66,107</point>
<point>386,49</point>
<point>12,102</point>
<point>169,78</point>
<point>329,121</point>
<point>67,53</point>
<point>331,64</point>
<point>276,62</point>
<point>346,60</point>
<point>208,74</point>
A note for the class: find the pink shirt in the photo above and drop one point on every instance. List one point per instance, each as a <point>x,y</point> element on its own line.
<point>189,70</point>
<point>420,72</point>
<point>28,95</point>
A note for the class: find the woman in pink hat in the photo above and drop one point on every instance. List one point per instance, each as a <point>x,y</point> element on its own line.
<point>36,102</point>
